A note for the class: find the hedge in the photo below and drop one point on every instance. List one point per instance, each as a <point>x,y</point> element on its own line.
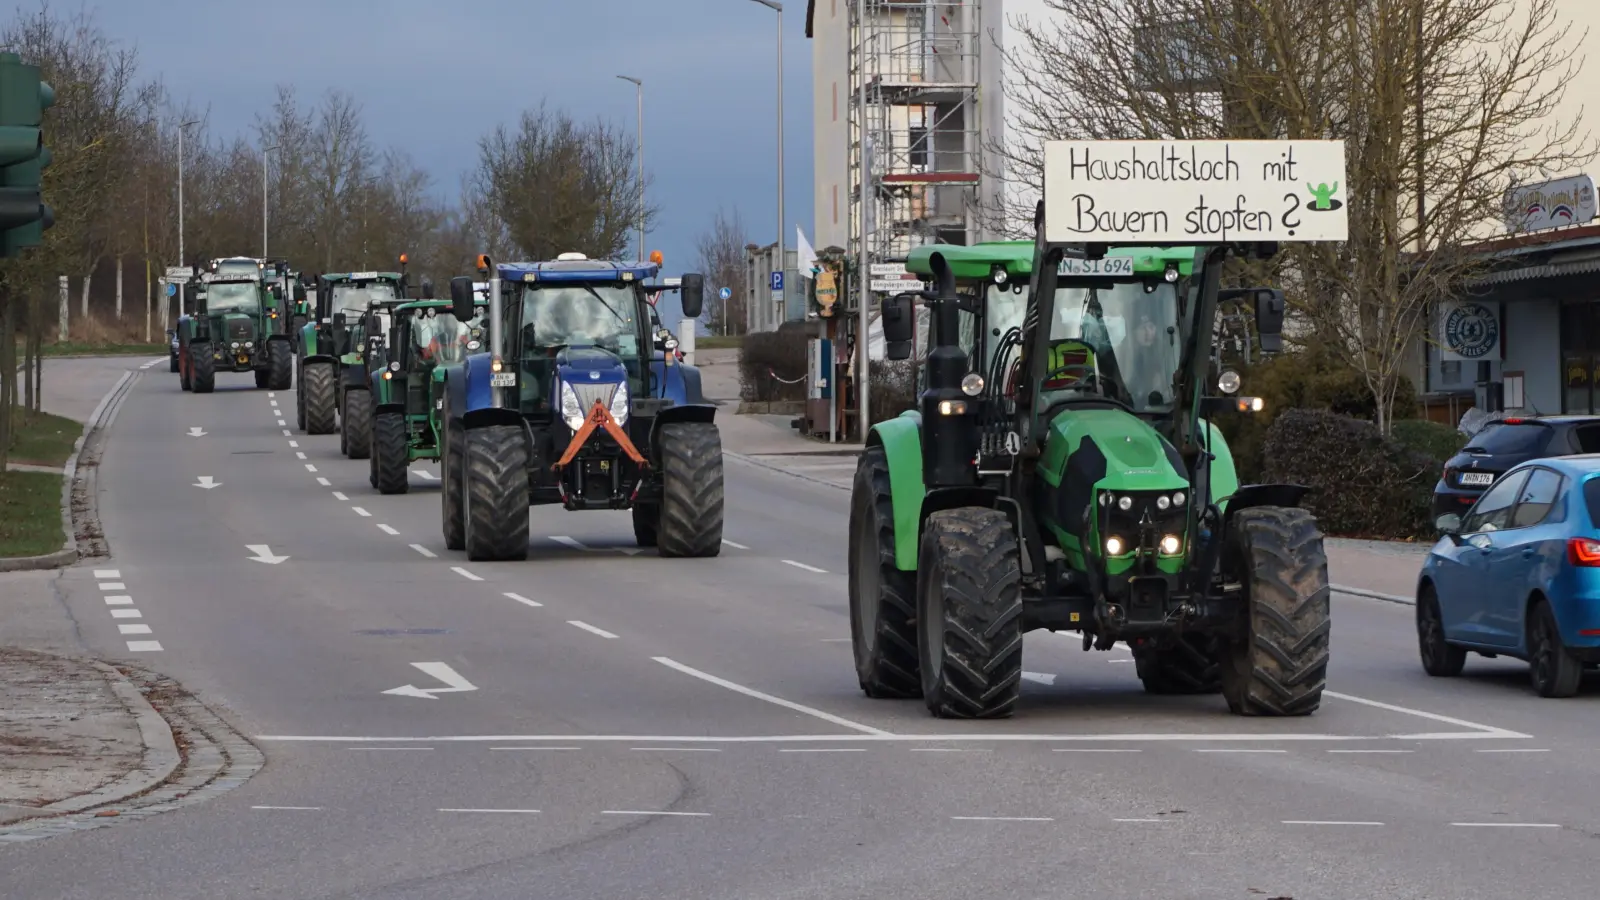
<point>1362,483</point>
<point>766,354</point>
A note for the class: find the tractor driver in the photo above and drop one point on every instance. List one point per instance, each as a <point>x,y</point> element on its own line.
<point>1093,331</point>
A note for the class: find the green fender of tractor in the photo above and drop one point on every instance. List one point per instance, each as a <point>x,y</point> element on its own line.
<point>1224,474</point>
<point>901,439</point>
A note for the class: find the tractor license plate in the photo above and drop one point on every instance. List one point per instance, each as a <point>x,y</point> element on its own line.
<point>503,379</point>
<point>1111,265</point>
<point>1477,478</point>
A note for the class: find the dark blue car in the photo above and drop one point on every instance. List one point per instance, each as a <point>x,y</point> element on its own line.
<point>1503,444</point>
<point>1519,575</point>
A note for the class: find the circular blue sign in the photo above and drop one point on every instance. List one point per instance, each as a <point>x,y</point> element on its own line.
<point>1471,331</point>
<point>726,294</point>
<point>172,289</point>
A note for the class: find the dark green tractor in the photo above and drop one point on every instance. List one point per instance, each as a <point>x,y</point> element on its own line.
<point>333,346</point>
<point>408,387</point>
<point>234,321</point>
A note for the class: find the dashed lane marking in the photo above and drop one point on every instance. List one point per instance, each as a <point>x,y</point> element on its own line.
<point>107,573</point>
<point>282,423</point>
<point>271,395</point>
<point>387,530</point>
<point>591,629</point>
<point>424,551</point>
<point>523,600</point>
<point>948,750</point>
<point>121,600</point>
<point>144,646</point>
<point>361,512</point>
<point>777,701</point>
<point>1517,750</point>
<point>126,614</point>
<point>465,574</point>
<point>1505,825</point>
<point>1324,822</point>
<point>133,629</point>
<point>299,454</point>
<point>801,565</point>
<point>339,496</point>
<point>322,481</point>
<point>287,432</point>
<point>112,586</point>
<point>294,444</point>
<point>310,467</point>
<point>649,812</point>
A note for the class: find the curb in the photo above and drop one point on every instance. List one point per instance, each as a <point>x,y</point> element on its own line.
<point>752,461</point>
<point>160,760</point>
<point>68,555</point>
<point>1372,595</point>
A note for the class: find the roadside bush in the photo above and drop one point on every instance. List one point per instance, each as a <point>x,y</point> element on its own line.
<point>1436,441</point>
<point>1362,483</point>
<point>766,354</point>
<point>1306,379</point>
<point>891,391</point>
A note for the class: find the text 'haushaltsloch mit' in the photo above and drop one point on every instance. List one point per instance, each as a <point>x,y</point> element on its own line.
<point>1168,163</point>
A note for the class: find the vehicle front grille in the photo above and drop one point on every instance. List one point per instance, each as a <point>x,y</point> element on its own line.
<point>240,330</point>
<point>588,394</point>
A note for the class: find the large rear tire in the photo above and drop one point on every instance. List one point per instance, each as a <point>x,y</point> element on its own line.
<point>969,642</point>
<point>317,383</point>
<point>355,423</point>
<point>691,491</point>
<point>882,612</point>
<point>1277,664</point>
<point>390,454</point>
<point>202,369</point>
<point>452,493</point>
<point>1190,664</point>
<point>280,365</point>
<point>496,493</point>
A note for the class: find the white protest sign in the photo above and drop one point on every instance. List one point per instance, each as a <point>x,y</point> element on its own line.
<point>1194,192</point>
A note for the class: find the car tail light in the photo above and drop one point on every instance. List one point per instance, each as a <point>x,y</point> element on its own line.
<point>1583,552</point>
<point>1513,421</point>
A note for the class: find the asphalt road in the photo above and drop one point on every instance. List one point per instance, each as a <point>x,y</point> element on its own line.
<point>650,728</point>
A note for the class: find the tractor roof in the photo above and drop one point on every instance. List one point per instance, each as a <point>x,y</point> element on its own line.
<point>345,277</point>
<point>436,303</point>
<point>579,269</point>
<point>976,261</point>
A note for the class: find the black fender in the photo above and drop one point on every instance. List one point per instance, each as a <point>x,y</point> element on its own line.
<point>317,358</point>
<point>1251,496</point>
<point>383,408</point>
<point>490,417</point>
<point>352,378</point>
<point>943,498</point>
<point>281,338</point>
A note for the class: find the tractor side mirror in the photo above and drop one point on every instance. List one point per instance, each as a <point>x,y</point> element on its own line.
<point>898,313</point>
<point>299,294</point>
<point>693,294</point>
<point>338,320</point>
<point>1269,319</point>
<point>427,289</point>
<point>461,298</point>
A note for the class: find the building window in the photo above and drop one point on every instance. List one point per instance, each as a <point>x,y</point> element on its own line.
<point>1580,353</point>
<point>1450,371</point>
<point>1512,390</point>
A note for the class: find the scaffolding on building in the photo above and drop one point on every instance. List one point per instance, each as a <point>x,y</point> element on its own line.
<point>914,120</point>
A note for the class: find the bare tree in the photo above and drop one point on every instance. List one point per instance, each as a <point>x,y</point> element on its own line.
<point>721,256</point>
<point>1441,106</point>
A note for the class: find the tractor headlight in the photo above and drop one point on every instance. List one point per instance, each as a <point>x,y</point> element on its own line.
<point>249,345</point>
<point>234,345</point>
<point>972,384</point>
<point>571,411</point>
<point>1228,382</point>
<point>1178,498</point>
<point>952,407</point>
<point>1125,503</point>
<point>1163,501</point>
<point>1115,546</point>
<point>394,366</point>
<point>1171,544</point>
<point>619,404</point>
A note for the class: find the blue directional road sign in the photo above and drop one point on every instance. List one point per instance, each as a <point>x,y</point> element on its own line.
<point>726,294</point>
<point>777,281</point>
<point>172,289</point>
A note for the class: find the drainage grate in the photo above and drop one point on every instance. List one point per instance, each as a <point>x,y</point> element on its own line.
<point>395,632</point>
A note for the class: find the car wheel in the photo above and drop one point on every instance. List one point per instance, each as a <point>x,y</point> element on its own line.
<point>1440,658</point>
<point>1554,670</point>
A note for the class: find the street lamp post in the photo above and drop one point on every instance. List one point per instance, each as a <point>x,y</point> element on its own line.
<point>264,202</point>
<point>639,86</point>
<point>780,265</point>
<point>180,187</point>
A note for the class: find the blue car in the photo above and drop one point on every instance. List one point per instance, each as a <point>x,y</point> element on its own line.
<point>1519,575</point>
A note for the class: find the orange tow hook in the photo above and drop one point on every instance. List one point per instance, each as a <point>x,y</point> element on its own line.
<point>600,417</point>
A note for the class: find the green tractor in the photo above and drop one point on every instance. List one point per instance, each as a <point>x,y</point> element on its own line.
<point>408,388</point>
<point>1062,473</point>
<point>332,349</point>
<point>234,322</point>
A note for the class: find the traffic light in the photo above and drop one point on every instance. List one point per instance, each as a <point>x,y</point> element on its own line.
<point>23,99</point>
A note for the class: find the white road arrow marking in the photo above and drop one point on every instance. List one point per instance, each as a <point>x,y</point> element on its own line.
<point>263,553</point>
<point>208,482</point>
<point>197,431</point>
<point>440,671</point>
<point>1040,677</point>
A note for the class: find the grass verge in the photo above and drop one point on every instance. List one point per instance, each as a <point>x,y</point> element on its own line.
<point>43,439</point>
<point>30,514</point>
<point>717,341</point>
<point>85,348</point>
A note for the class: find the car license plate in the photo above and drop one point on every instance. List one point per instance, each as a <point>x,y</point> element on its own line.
<point>503,379</point>
<point>1477,478</point>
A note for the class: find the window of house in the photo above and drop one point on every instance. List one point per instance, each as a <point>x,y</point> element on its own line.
<point>1449,371</point>
<point>1512,387</point>
<point>1580,346</point>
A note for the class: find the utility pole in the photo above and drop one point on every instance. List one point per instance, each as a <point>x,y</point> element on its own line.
<point>781,265</point>
<point>864,322</point>
<point>181,259</point>
<point>639,88</point>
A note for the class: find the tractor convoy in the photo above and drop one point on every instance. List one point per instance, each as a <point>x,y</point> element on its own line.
<point>1062,470</point>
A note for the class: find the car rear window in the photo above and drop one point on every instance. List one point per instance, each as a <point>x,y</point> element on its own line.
<point>1591,498</point>
<point>1506,439</point>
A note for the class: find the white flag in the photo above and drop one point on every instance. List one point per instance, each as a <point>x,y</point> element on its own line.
<point>805,257</point>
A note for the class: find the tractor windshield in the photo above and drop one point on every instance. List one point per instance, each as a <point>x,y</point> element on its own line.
<point>233,297</point>
<point>442,339</point>
<point>352,299</point>
<point>600,315</point>
<point>1121,342</point>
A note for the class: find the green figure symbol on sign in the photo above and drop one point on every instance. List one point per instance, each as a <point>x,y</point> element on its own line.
<point>1324,196</point>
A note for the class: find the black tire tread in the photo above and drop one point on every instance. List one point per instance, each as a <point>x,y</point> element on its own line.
<point>355,421</point>
<point>1185,665</point>
<point>280,366</point>
<point>390,457</point>
<point>692,494</point>
<point>886,660</point>
<point>317,383</point>
<point>973,554</point>
<point>496,493</point>
<point>1280,666</point>
<point>451,492</point>
<point>202,369</point>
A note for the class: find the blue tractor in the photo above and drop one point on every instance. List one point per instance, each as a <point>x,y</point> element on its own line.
<point>579,403</point>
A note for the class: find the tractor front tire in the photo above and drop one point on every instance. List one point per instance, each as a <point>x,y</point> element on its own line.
<point>496,493</point>
<point>691,491</point>
<point>280,365</point>
<point>451,467</point>
<point>355,423</point>
<point>1277,663</point>
<point>183,376</point>
<point>202,369</point>
<point>646,524</point>
<point>390,454</point>
<point>317,384</point>
<point>882,611</point>
<point>173,361</point>
<point>969,634</point>
<point>1190,664</point>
